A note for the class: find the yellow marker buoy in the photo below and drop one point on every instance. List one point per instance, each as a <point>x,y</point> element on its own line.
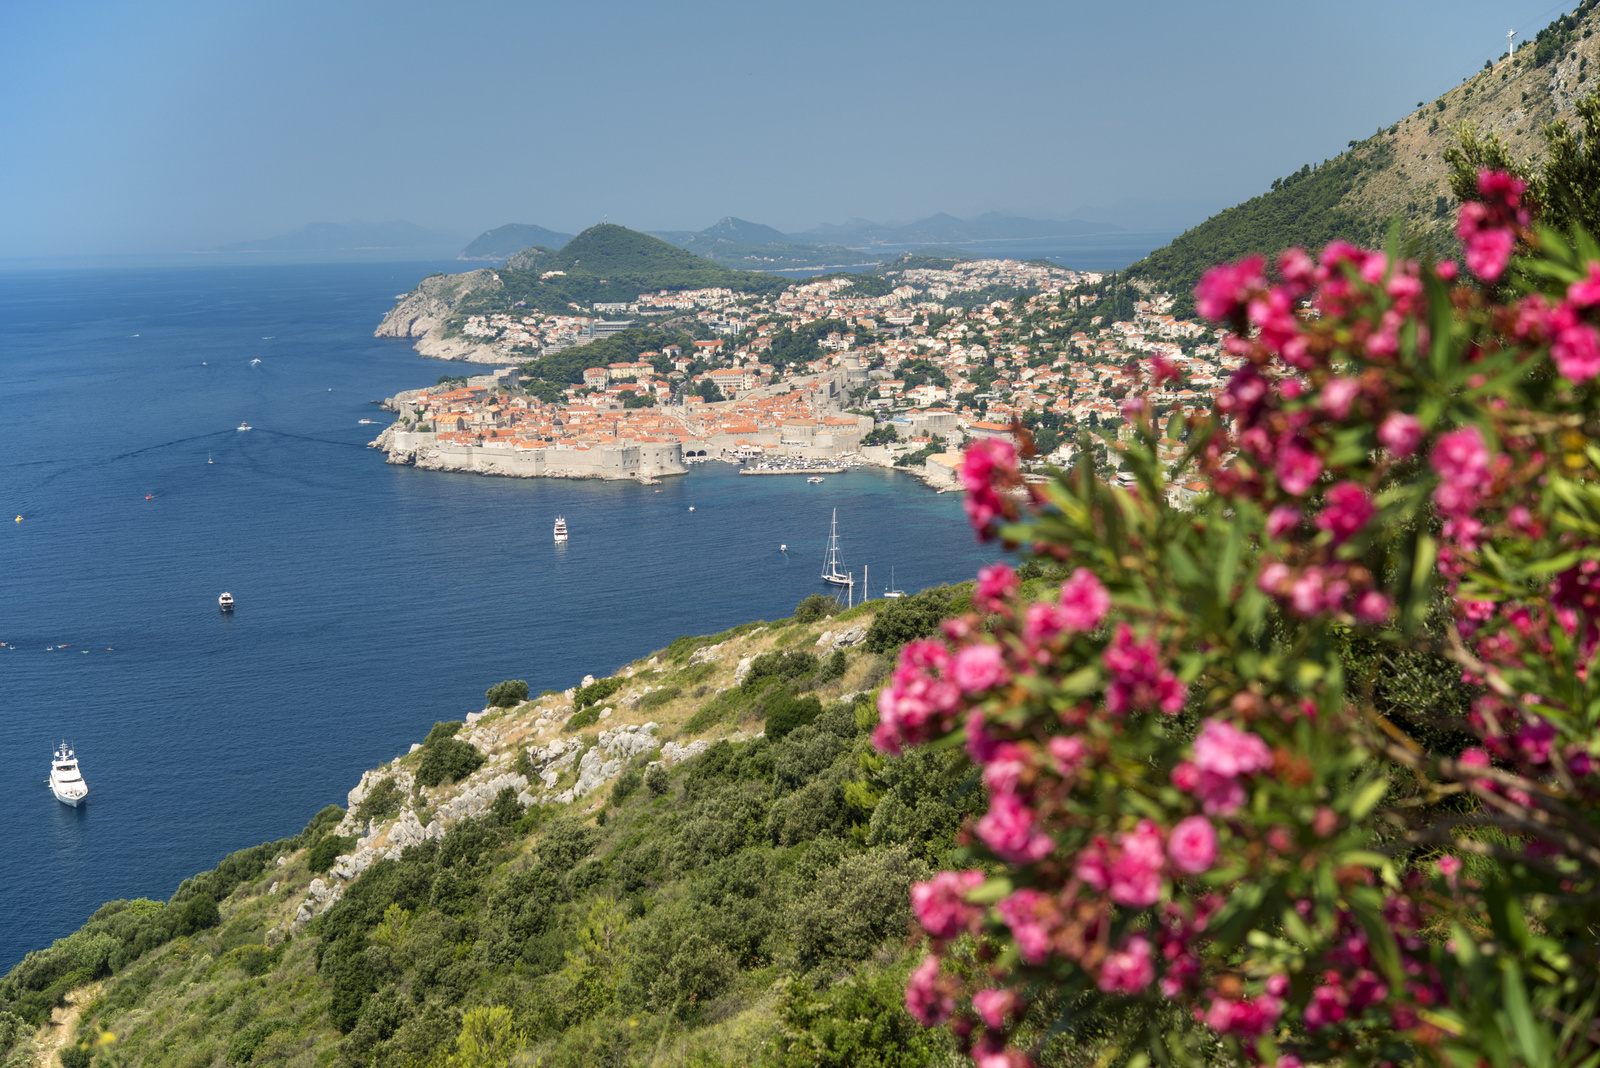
<point>19,519</point>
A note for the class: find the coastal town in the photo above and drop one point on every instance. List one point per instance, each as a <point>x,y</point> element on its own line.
<point>897,373</point>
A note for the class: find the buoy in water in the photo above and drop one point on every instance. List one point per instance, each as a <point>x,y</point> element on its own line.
<point>19,519</point>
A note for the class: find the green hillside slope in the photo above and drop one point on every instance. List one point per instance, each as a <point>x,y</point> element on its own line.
<point>607,264</point>
<point>747,905</point>
<point>1399,174</point>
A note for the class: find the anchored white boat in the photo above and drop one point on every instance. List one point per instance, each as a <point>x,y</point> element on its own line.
<point>831,572</point>
<point>66,781</point>
<point>225,602</point>
<point>561,529</point>
<point>242,426</point>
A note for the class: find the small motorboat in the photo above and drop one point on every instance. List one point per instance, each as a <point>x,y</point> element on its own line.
<point>363,422</point>
<point>814,478</point>
<point>149,496</point>
<point>66,781</point>
<point>242,426</point>
<point>225,602</point>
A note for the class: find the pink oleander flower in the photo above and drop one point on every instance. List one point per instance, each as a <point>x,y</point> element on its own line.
<point>1093,864</point>
<point>1298,271</point>
<point>1346,510</point>
<point>1084,602</point>
<point>1219,795</point>
<point>1070,752</point>
<point>983,459</point>
<point>1005,768</point>
<point>1223,749</point>
<point>1450,867</point>
<point>1128,969</point>
<point>920,699</point>
<point>1488,227</point>
<point>1298,466</point>
<point>1162,370</point>
<point>1135,874</point>
<point>928,997</point>
<point>979,667</point>
<point>1337,397</point>
<point>1575,346</point>
<point>1042,622</point>
<point>996,585</point>
<point>1585,292</point>
<point>1461,461</point>
<point>1327,1007</point>
<point>994,1007</point>
<point>1225,289</point>
<point>1032,917</point>
<point>1192,845</point>
<point>1139,681</point>
<point>940,904</point>
<point>1282,520</point>
<point>1400,434</point>
<point>1008,829</point>
<point>1535,739</point>
<point>1372,608</point>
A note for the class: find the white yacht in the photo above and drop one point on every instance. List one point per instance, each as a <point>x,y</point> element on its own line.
<point>561,529</point>
<point>66,781</point>
<point>225,602</point>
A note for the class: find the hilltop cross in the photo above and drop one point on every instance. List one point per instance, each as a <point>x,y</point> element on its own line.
<point>1511,47</point>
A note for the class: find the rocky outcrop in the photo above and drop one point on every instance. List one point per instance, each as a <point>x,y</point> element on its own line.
<point>849,638</point>
<point>423,313</point>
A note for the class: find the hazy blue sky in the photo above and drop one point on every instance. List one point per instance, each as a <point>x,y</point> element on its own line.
<point>176,124</point>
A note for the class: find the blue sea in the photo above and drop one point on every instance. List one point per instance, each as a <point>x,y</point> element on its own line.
<point>372,600</point>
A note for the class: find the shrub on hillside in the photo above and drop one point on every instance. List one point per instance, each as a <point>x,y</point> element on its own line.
<point>382,801</point>
<point>907,618</point>
<point>656,780</point>
<point>794,664</point>
<point>508,694</point>
<point>785,712</point>
<point>328,849</point>
<point>596,692</point>
<point>815,607</point>
<point>446,757</point>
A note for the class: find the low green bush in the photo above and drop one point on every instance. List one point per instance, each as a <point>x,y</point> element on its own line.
<point>657,698</point>
<point>451,759</point>
<point>908,618</point>
<point>814,608</point>
<point>382,801</point>
<point>794,664</point>
<point>785,712</point>
<point>627,783</point>
<point>833,667</point>
<point>596,692</point>
<point>323,854</point>
<point>656,780</point>
<point>586,718</point>
<point>508,694</point>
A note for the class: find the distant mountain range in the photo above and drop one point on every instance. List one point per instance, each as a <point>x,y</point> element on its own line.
<point>394,236</point>
<point>748,246</point>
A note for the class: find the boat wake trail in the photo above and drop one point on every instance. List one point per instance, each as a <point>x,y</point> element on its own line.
<point>319,441</point>
<point>169,444</point>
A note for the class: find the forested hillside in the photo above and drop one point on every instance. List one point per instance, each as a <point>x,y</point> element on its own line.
<point>745,905</point>
<point>1397,175</point>
<point>606,263</point>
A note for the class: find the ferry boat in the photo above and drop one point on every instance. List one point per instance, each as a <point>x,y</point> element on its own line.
<point>225,602</point>
<point>364,422</point>
<point>561,529</point>
<point>242,426</point>
<point>66,781</point>
<point>831,573</point>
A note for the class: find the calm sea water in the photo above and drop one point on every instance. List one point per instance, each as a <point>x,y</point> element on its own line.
<point>373,600</point>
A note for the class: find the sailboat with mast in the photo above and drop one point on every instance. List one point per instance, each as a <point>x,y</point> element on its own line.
<point>831,572</point>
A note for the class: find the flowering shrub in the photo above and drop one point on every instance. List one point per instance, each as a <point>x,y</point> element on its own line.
<point>1191,802</point>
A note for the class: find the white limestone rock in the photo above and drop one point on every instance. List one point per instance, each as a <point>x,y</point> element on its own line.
<point>677,752</point>
<point>709,655</point>
<point>742,670</point>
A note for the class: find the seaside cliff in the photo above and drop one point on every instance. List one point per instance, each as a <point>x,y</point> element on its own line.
<point>423,312</point>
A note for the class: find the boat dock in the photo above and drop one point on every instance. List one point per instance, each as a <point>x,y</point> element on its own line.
<point>792,471</point>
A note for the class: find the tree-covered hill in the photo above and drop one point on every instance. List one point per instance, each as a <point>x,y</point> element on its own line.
<point>605,264</point>
<point>744,906</point>
<point>504,241</point>
<point>1398,175</point>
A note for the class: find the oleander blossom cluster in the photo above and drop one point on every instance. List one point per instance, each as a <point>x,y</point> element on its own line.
<point>1137,769</point>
